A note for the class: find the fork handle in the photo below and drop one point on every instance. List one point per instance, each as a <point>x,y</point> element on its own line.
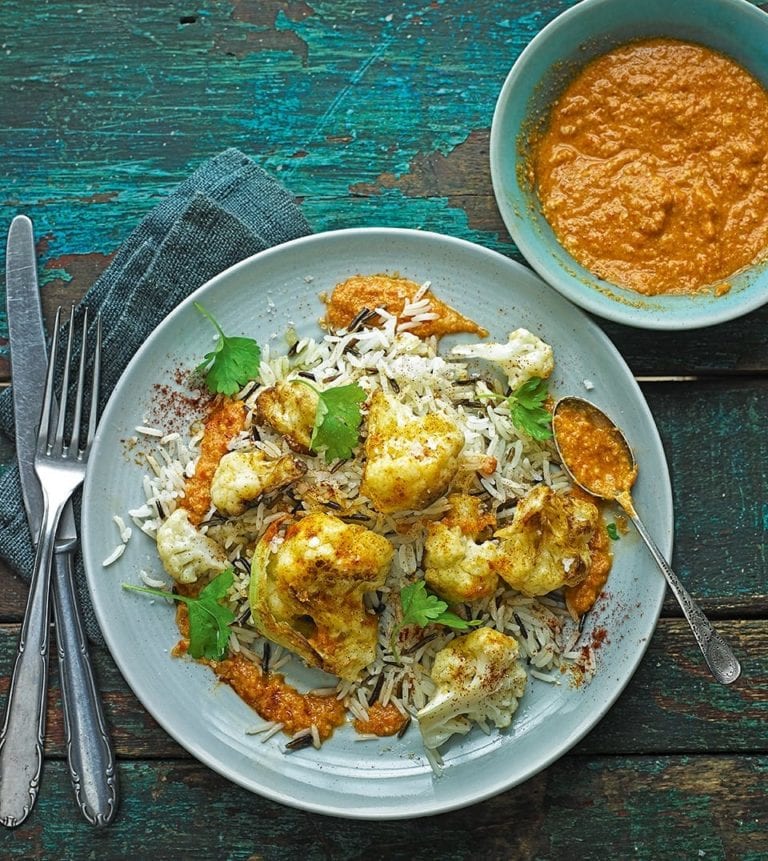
<point>22,737</point>
<point>90,755</point>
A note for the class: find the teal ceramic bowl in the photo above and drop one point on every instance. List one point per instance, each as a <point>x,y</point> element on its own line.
<point>590,28</point>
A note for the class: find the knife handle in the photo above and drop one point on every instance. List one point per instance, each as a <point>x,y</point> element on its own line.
<point>90,756</point>
<point>22,737</point>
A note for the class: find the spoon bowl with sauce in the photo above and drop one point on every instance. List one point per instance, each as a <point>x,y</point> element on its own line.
<point>598,458</point>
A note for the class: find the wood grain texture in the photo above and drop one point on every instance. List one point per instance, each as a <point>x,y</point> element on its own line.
<point>380,114</point>
<point>606,807</point>
<point>717,451</point>
<point>371,116</point>
<point>671,704</point>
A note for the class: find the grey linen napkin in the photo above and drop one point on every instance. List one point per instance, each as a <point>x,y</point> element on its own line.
<point>225,211</point>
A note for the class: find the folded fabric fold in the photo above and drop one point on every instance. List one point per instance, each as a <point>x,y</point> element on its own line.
<point>227,210</point>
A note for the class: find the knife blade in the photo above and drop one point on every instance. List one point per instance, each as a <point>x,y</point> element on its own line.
<point>89,750</point>
<point>25,326</point>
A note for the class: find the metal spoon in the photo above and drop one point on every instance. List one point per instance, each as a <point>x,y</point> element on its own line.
<point>618,472</point>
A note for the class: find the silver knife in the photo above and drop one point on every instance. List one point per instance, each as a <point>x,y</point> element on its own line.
<point>90,756</point>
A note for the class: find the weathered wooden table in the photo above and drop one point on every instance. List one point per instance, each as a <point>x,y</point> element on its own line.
<point>379,114</point>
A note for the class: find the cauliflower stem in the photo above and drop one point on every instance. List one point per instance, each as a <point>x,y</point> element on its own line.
<point>479,680</point>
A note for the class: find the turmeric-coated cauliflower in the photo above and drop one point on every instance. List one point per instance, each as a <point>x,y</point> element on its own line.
<point>411,459</point>
<point>187,554</point>
<point>479,680</point>
<point>289,407</point>
<point>306,593</point>
<point>456,567</point>
<point>523,357</point>
<point>547,544</point>
<point>243,476</point>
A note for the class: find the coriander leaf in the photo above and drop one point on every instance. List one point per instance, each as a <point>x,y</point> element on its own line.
<point>527,411</point>
<point>419,607</point>
<point>208,620</point>
<point>232,362</point>
<point>613,532</point>
<point>451,620</point>
<point>337,420</point>
<point>422,609</point>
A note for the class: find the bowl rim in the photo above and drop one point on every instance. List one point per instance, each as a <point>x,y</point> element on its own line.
<point>609,301</point>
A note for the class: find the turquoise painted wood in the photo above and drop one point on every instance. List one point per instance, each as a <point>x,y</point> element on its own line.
<point>379,114</point>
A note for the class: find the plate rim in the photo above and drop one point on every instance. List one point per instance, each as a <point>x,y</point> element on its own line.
<point>133,678</point>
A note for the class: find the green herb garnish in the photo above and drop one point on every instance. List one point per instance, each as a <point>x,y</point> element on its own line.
<point>209,621</point>
<point>422,609</point>
<point>526,408</point>
<point>527,411</point>
<point>613,531</point>
<point>336,431</point>
<point>232,363</point>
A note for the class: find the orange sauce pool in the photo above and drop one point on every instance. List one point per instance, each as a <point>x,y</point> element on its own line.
<point>268,694</point>
<point>382,720</point>
<point>593,449</point>
<point>274,699</point>
<point>580,599</point>
<point>653,170</point>
<point>223,423</point>
<point>392,293</point>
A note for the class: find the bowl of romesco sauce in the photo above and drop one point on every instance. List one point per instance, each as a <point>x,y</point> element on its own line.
<point>629,157</point>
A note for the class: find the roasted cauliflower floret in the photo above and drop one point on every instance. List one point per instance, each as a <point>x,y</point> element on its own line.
<point>187,554</point>
<point>479,680</point>
<point>289,407</point>
<point>547,544</point>
<point>243,476</point>
<point>523,357</point>
<point>411,459</point>
<point>457,568</point>
<point>307,592</point>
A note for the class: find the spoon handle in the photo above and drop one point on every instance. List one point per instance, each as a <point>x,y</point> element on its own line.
<point>723,664</point>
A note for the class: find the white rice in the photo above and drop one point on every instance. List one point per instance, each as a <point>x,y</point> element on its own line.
<point>114,555</point>
<point>147,431</point>
<point>392,359</point>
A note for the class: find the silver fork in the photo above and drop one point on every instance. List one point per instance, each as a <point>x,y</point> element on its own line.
<point>60,465</point>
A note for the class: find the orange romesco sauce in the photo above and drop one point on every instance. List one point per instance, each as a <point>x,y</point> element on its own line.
<point>580,598</point>
<point>268,694</point>
<point>652,170</point>
<point>223,423</point>
<point>274,699</point>
<point>391,293</point>
<point>594,451</point>
<point>382,720</point>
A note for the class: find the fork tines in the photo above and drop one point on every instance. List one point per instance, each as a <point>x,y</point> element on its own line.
<point>51,436</point>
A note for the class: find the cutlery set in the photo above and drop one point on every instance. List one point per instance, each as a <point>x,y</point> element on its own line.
<point>52,442</point>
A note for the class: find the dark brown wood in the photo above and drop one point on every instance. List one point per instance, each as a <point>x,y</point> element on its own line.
<point>714,435</point>
<point>672,703</point>
<point>668,807</point>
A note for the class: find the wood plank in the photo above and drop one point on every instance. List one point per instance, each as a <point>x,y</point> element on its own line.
<point>711,807</point>
<point>714,438</point>
<point>717,452</point>
<point>671,704</point>
<point>739,348</point>
<point>89,90</point>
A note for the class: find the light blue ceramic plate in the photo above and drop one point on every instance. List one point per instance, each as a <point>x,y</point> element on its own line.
<point>592,27</point>
<point>261,297</point>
